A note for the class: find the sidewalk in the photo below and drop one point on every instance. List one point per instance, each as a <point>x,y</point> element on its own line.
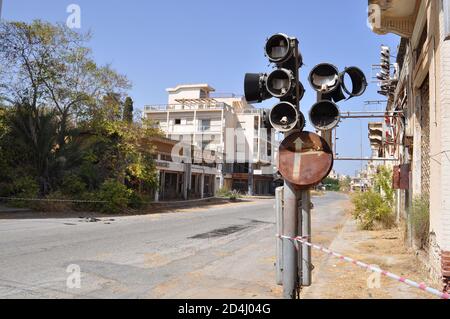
<point>335,279</point>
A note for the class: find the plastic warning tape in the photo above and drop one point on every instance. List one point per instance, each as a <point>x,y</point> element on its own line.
<point>421,286</point>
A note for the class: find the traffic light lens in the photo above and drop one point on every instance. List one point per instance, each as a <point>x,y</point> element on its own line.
<point>278,48</point>
<point>280,83</point>
<point>324,78</point>
<point>284,117</point>
<point>324,115</point>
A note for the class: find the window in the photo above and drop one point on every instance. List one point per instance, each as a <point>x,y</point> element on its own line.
<point>178,122</point>
<point>205,125</point>
<point>166,157</point>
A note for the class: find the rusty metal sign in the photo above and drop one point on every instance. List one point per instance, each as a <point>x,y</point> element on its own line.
<point>396,177</point>
<point>401,177</point>
<point>305,159</point>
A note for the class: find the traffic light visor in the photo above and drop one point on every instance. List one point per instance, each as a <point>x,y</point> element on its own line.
<point>278,48</point>
<point>255,88</point>
<point>324,115</point>
<point>354,82</point>
<point>284,117</point>
<point>324,78</point>
<point>280,83</point>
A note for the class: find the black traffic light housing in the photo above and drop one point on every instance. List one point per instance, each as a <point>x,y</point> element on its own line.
<point>332,87</point>
<point>255,87</point>
<point>282,83</point>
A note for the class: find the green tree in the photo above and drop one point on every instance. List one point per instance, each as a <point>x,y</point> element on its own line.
<point>331,184</point>
<point>63,129</point>
<point>128,110</point>
<point>383,184</point>
<point>49,66</point>
<point>51,82</point>
<point>375,207</point>
<point>3,122</point>
<point>345,184</point>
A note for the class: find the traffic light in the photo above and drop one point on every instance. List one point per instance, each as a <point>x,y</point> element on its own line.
<point>255,87</point>
<point>332,87</point>
<point>324,115</point>
<point>324,78</point>
<point>385,71</point>
<point>282,83</point>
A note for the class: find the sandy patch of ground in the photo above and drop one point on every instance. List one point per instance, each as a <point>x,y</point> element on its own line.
<point>335,279</point>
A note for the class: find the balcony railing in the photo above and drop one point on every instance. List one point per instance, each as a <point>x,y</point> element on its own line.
<point>186,107</point>
<point>252,111</point>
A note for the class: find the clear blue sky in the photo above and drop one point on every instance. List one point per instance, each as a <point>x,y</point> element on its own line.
<point>159,44</point>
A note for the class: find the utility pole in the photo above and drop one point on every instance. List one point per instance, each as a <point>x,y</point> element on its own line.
<point>1,7</point>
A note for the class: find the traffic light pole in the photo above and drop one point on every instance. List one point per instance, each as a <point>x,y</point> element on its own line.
<point>295,210</point>
<point>291,249</point>
<point>306,262</point>
<point>304,158</point>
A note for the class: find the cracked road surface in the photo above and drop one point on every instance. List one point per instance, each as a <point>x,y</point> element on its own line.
<point>218,252</point>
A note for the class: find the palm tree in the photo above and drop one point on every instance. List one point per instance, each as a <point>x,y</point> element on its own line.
<point>37,131</point>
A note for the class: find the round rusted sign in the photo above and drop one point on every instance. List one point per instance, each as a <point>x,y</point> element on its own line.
<point>305,159</point>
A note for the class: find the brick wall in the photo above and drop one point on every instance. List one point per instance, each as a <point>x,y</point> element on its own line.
<point>443,238</point>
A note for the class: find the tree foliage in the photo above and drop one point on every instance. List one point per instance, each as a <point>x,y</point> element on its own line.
<point>372,211</point>
<point>345,184</point>
<point>420,220</point>
<point>383,184</point>
<point>128,110</point>
<point>331,184</point>
<point>62,120</point>
<point>374,208</point>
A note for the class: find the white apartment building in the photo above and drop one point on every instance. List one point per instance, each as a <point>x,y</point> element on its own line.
<point>223,125</point>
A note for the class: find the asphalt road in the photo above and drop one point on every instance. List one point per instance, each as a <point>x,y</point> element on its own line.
<point>220,252</point>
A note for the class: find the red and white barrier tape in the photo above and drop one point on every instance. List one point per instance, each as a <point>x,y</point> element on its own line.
<point>421,286</point>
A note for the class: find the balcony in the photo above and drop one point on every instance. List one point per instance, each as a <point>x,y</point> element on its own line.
<point>393,16</point>
<point>189,105</point>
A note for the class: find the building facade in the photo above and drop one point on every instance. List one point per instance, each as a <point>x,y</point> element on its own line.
<point>420,135</point>
<point>225,127</point>
<point>179,180</point>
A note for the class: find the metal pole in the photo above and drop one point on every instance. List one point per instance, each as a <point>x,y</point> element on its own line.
<point>279,211</point>
<point>306,233</point>
<point>250,178</point>
<point>366,159</point>
<point>290,229</point>
<point>292,219</point>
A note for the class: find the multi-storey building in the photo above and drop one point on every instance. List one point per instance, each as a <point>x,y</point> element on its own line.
<point>420,136</point>
<point>225,126</point>
<point>178,180</point>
